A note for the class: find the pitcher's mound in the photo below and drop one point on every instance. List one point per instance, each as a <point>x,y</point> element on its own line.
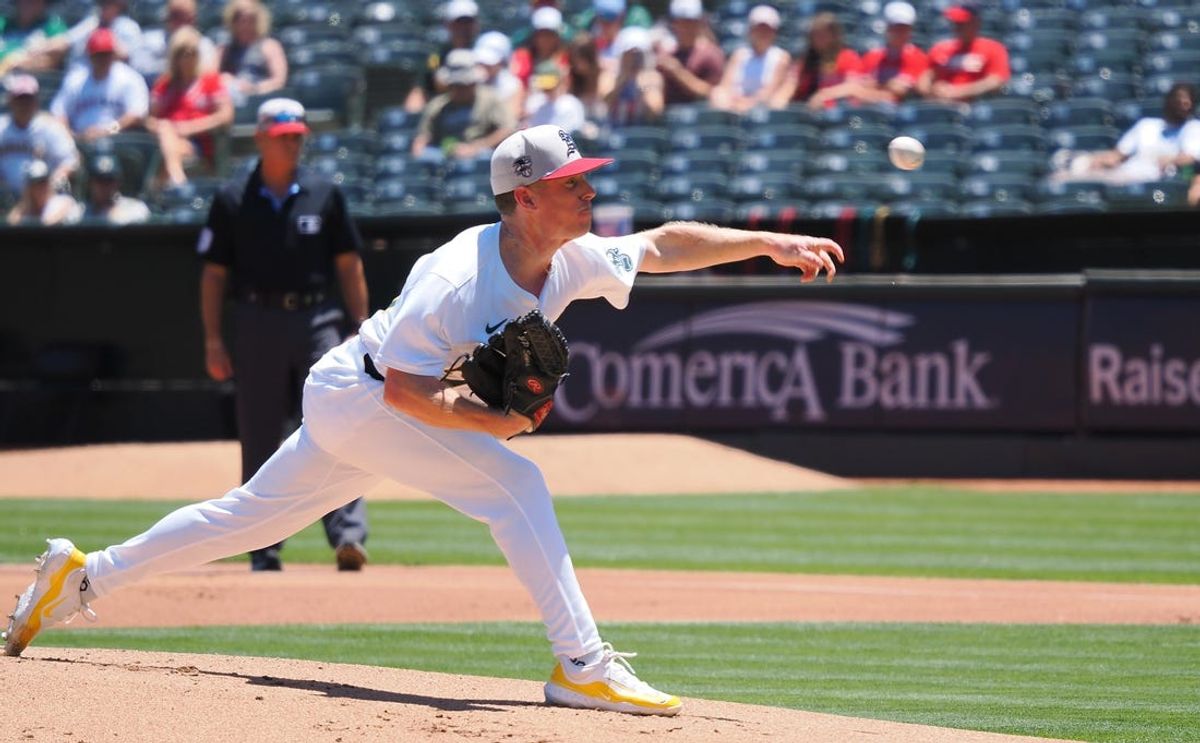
<point>57,694</point>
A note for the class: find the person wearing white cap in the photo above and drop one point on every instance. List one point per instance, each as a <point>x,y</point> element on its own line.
<point>890,73</point>
<point>383,405</point>
<point>468,119</point>
<point>546,43</point>
<point>461,21</point>
<point>692,65</point>
<point>634,94</point>
<point>39,204</point>
<point>493,50</point>
<point>755,72</point>
<point>27,133</point>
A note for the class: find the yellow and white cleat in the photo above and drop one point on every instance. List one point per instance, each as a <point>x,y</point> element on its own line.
<point>53,597</point>
<point>608,684</point>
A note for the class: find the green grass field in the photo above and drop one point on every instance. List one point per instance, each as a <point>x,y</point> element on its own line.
<point>881,531</point>
<point>1084,682</point>
<point>1102,683</point>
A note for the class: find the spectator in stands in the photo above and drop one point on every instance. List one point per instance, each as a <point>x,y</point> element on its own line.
<point>186,107</point>
<point>550,102</point>
<point>466,121</point>
<point>827,71</point>
<point>27,134</point>
<point>39,204</point>
<point>521,36</point>
<point>690,63</point>
<point>27,28</point>
<point>252,63</point>
<point>634,94</point>
<point>461,18</point>
<point>604,20</point>
<point>1153,149</point>
<point>584,76</point>
<point>546,43</point>
<point>105,99</point>
<point>151,57</point>
<point>493,51</point>
<point>969,66</point>
<point>890,73</point>
<point>104,200</point>
<point>110,15</point>
<point>756,72</point>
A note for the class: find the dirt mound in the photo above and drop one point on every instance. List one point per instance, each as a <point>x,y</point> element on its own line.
<point>87,696</point>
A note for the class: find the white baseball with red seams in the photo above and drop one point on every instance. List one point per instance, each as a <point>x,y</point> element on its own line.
<point>906,153</point>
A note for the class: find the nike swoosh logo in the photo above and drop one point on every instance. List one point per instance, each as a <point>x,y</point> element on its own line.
<point>489,329</point>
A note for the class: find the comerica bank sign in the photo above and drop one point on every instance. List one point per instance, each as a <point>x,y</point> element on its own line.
<point>785,361</point>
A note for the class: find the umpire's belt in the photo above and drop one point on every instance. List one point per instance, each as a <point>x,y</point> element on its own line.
<point>282,300</point>
<point>370,369</point>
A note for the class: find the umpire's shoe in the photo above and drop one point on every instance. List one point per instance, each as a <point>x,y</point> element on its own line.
<point>266,560</point>
<point>351,556</point>
<point>607,683</point>
<point>54,596</point>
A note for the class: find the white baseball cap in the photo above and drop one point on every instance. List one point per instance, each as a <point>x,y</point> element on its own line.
<point>459,68</point>
<point>538,153</point>
<point>282,116</point>
<point>456,9</point>
<point>765,15</point>
<point>547,19</point>
<point>688,9</point>
<point>632,37</point>
<point>899,13</point>
<point>492,47</point>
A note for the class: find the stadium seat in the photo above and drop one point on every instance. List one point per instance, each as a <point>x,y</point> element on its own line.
<point>472,188</point>
<point>1002,111</point>
<point>1156,87</point>
<point>841,209</point>
<point>1085,137</point>
<point>1080,112</point>
<point>1114,16</point>
<point>682,114</point>
<point>1032,40</point>
<point>1172,19</point>
<point>940,137</point>
<point>708,210</point>
<point>1024,163</point>
<point>766,187</point>
<point>840,187</point>
<point>782,136</point>
<point>324,54</point>
<point>389,34</point>
<point>1184,63</point>
<point>715,117</point>
<point>1058,20</point>
<point>724,139</point>
<point>1037,62</point>
<point>386,11</point>
<point>1037,87</point>
<point>998,187</point>
<point>1184,38</point>
<point>401,165</point>
<point>307,35</point>
<point>397,142</point>
<point>398,190</point>
<point>1158,194</point>
<point>987,208</point>
<point>857,117</point>
<point>330,93</point>
<point>942,163</point>
<point>1010,137</point>
<point>849,161</point>
<point>788,162</point>
<point>643,163</point>
<point>617,188</point>
<point>1069,206</point>
<point>682,163</point>
<point>866,138</point>
<point>1085,192</point>
<point>330,164</point>
<point>929,112</point>
<point>344,141</point>
<point>638,138</point>
<point>900,186</point>
<point>922,208</point>
<point>763,212</point>
<point>396,119</point>
<point>1111,41</point>
<point>790,116</point>
<point>697,187</point>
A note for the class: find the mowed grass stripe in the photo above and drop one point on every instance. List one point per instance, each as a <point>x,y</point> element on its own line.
<point>900,531</point>
<point>1087,682</point>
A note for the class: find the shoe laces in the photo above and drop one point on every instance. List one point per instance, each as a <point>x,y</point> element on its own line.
<point>618,668</point>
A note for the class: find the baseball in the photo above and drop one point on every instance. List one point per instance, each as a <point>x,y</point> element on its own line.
<point>906,153</point>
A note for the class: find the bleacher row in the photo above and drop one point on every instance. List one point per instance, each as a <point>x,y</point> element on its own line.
<point>1082,73</point>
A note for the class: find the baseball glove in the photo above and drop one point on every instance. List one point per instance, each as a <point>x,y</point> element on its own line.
<point>520,367</point>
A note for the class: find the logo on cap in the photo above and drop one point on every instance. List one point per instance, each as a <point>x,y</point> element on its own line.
<point>566,138</point>
<point>523,166</point>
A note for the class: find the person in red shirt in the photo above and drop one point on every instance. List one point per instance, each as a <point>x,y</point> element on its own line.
<point>545,44</point>
<point>820,76</point>
<point>968,66</point>
<point>889,74</point>
<point>186,107</point>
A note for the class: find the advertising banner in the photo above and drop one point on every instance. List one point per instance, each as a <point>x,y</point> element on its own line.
<point>960,362</point>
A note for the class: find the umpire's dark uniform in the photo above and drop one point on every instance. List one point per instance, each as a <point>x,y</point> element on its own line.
<point>280,259</point>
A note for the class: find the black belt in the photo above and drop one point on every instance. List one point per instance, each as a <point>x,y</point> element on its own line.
<point>369,368</point>
<point>282,300</point>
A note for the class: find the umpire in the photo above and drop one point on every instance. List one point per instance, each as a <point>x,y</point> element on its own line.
<point>277,239</point>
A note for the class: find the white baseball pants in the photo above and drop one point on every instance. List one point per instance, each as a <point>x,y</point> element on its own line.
<point>349,441</point>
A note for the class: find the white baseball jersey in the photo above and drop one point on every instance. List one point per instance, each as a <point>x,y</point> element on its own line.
<point>461,293</point>
<point>1151,139</point>
<point>44,139</point>
<point>86,101</point>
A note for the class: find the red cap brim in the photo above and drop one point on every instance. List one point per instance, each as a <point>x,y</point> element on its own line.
<point>958,15</point>
<point>577,167</point>
<point>288,127</point>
